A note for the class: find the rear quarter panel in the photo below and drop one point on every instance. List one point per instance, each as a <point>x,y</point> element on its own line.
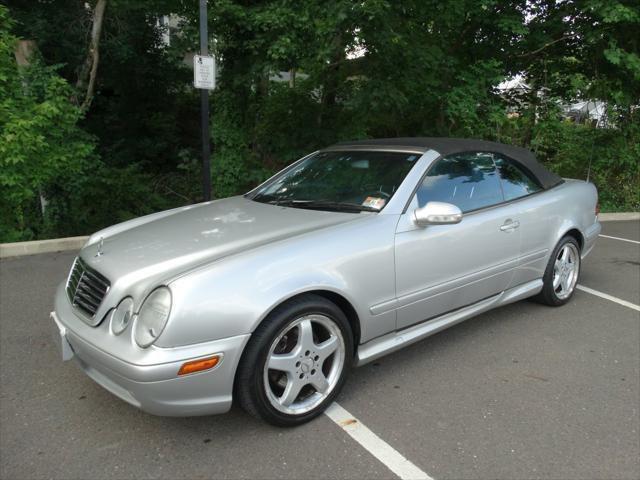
<point>546,217</point>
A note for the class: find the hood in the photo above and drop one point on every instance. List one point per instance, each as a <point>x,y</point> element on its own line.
<point>157,247</point>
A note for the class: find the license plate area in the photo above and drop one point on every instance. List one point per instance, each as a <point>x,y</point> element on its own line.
<point>59,333</point>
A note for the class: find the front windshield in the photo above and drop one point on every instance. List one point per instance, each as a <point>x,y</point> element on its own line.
<point>345,181</point>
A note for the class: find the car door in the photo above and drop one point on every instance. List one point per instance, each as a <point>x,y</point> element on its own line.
<point>440,268</point>
<point>535,214</point>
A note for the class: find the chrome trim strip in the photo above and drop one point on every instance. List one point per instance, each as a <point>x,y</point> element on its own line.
<point>534,256</point>
<point>375,148</point>
<point>448,286</point>
<point>391,342</point>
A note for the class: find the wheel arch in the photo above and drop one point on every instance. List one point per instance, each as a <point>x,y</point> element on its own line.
<point>336,298</point>
<point>576,234</point>
<point>347,308</point>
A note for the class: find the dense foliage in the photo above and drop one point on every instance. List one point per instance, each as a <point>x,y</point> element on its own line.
<point>353,70</point>
<point>40,142</point>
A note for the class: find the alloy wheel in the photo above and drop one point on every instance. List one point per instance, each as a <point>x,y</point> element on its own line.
<point>565,271</point>
<point>304,364</point>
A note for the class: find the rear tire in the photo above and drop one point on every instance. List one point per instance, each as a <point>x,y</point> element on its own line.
<point>296,362</point>
<point>561,275</point>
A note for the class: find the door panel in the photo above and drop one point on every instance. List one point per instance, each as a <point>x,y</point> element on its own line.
<point>539,219</point>
<point>535,214</point>
<point>440,268</point>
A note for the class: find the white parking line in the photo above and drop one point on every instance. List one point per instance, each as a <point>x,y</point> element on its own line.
<point>621,239</point>
<point>606,296</point>
<point>377,447</point>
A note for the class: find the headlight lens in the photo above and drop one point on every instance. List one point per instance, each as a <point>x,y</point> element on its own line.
<point>121,316</point>
<point>152,317</point>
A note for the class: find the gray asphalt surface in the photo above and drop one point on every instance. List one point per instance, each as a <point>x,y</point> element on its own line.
<point>525,391</point>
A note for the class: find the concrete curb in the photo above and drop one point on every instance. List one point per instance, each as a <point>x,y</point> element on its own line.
<point>19,249</point>
<point>613,217</point>
<point>75,243</point>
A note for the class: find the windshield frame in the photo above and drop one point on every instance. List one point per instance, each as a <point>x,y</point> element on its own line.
<point>418,165</point>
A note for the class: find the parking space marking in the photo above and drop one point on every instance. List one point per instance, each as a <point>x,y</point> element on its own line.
<point>377,447</point>
<point>621,239</point>
<point>606,296</point>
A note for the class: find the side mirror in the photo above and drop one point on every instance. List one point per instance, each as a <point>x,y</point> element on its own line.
<point>437,213</point>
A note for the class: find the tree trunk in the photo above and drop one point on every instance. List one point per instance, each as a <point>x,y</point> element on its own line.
<point>292,77</point>
<point>23,52</point>
<point>87,78</point>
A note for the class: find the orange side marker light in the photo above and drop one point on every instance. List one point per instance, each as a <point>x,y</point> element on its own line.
<point>199,365</point>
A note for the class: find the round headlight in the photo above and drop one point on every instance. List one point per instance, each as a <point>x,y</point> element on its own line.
<point>152,317</point>
<point>121,316</point>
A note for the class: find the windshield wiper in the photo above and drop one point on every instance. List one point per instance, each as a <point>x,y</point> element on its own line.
<point>323,205</point>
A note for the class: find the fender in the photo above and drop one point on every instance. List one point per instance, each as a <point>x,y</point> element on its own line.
<point>233,295</point>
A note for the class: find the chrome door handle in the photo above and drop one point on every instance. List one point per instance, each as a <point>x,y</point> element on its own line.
<point>509,225</point>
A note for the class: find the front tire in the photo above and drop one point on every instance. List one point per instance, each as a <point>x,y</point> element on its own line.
<point>295,362</point>
<point>562,272</point>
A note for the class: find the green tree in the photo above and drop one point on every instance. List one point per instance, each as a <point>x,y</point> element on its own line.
<point>355,70</point>
<point>39,137</point>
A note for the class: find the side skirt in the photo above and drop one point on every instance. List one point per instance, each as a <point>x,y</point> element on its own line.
<point>391,342</point>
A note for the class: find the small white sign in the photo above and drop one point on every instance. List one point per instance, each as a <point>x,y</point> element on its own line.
<point>204,72</point>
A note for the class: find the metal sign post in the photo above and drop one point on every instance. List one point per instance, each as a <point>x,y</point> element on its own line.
<point>204,105</point>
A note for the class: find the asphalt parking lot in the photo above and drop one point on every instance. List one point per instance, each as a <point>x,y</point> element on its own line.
<point>525,391</point>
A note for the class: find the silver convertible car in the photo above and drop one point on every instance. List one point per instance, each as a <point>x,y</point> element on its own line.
<point>348,254</point>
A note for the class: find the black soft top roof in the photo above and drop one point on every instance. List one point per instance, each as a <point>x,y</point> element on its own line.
<point>447,146</point>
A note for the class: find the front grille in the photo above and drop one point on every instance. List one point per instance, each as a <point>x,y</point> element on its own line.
<point>86,288</point>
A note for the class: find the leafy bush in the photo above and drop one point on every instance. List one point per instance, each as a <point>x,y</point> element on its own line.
<point>39,139</point>
<point>52,182</point>
<point>416,68</point>
<point>609,157</point>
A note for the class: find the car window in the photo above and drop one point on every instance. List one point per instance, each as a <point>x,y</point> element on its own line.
<point>516,181</point>
<point>340,179</point>
<point>467,180</point>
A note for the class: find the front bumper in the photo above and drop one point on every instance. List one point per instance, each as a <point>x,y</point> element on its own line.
<point>153,387</point>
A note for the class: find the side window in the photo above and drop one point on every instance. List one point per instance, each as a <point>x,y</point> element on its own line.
<point>516,182</point>
<point>467,180</point>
